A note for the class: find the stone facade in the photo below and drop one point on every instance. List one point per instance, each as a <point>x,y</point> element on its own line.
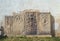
<point>28,22</point>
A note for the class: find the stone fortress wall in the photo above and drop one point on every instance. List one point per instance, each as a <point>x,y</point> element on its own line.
<point>29,22</point>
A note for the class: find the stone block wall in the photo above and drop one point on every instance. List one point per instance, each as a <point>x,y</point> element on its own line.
<point>28,22</point>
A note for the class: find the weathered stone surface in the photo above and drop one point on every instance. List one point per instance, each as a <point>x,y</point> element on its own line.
<point>28,22</point>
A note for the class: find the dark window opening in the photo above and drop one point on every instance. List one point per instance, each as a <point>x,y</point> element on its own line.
<point>44,20</point>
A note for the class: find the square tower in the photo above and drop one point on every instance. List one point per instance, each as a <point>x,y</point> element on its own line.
<point>44,23</point>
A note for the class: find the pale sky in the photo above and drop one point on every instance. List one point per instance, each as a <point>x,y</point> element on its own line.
<point>9,6</point>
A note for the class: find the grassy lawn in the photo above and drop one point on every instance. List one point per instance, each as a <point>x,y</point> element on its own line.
<point>24,38</point>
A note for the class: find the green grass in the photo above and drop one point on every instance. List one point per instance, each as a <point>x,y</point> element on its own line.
<point>24,38</point>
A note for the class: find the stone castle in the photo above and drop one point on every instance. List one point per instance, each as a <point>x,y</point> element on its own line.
<point>29,22</point>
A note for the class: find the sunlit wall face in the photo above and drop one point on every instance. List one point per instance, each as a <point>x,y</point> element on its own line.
<point>9,6</point>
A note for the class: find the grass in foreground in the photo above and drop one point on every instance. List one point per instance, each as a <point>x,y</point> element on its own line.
<point>24,38</point>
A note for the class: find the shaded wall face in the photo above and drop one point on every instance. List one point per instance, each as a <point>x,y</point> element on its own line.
<point>30,23</point>
<point>52,26</point>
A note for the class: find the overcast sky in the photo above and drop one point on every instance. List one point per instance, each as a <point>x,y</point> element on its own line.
<point>9,6</point>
